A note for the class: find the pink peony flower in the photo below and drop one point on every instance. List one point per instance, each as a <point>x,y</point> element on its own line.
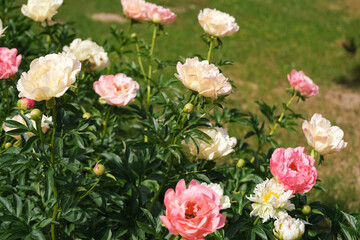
<point>26,103</point>
<point>303,84</point>
<point>192,212</point>
<point>294,169</point>
<point>9,62</point>
<point>135,9</point>
<point>118,90</point>
<point>160,15</point>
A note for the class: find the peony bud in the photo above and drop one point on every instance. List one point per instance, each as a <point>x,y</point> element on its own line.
<point>102,101</point>
<point>50,103</point>
<point>35,114</point>
<point>86,115</point>
<point>189,108</point>
<point>240,163</point>
<point>306,209</point>
<point>133,35</point>
<point>25,103</point>
<point>288,228</point>
<point>8,145</point>
<point>99,169</point>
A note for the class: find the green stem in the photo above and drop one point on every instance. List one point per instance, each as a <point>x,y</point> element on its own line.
<point>210,48</point>
<point>42,137</point>
<point>7,99</point>
<point>174,237</point>
<point>105,126</point>
<point>140,61</point>
<point>314,153</point>
<point>257,219</point>
<point>150,66</point>
<point>54,215</point>
<point>88,192</point>
<point>282,114</point>
<point>52,161</point>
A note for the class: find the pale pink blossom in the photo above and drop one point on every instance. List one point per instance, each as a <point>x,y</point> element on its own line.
<point>303,84</point>
<point>294,169</point>
<point>159,14</point>
<point>135,9</point>
<point>192,212</point>
<point>9,62</point>
<point>118,90</point>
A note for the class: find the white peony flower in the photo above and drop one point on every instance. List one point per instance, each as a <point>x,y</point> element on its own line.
<point>40,10</point>
<point>288,228</point>
<point>220,144</point>
<point>323,137</point>
<point>217,23</point>
<point>49,76</point>
<point>44,125</point>
<point>224,200</point>
<point>89,54</point>
<point>2,30</point>
<point>203,78</point>
<point>271,200</point>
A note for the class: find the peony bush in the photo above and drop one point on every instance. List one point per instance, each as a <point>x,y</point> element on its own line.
<point>97,144</point>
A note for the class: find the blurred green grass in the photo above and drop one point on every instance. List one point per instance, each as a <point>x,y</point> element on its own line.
<point>275,37</point>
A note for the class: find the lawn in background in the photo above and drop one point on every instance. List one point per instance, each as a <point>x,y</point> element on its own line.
<point>275,37</point>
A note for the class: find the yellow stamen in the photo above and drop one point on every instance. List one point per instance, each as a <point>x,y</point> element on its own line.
<point>268,196</point>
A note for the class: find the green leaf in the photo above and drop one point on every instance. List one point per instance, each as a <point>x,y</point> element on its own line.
<point>7,205</point>
<point>316,211</point>
<point>350,219</point>
<point>107,236</point>
<point>15,124</point>
<point>37,234</point>
<point>29,143</point>
<point>49,182</point>
<point>260,232</point>
<point>19,205</point>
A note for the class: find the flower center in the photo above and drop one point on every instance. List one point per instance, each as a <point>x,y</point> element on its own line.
<point>293,167</point>
<point>190,211</point>
<point>268,196</point>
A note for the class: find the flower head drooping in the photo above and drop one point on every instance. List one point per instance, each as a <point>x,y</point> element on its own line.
<point>271,200</point>
<point>224,200</point>
<point>217,23</point>
<point>288,228</point>
<point>220,144</point>
<point>323,137</point>
<point>2,30</point>
<point>303,84</point>
<point>294,169</point>
<point>91,55</point>
<point>40,10</point>
<point>192,212</point>
<point>135,9</point>
<point>49,76</point>
<point>9,62</point>
<point>159,14</point>
<point>203,78</point>
<point>118,90</point>
<point>44,125</point>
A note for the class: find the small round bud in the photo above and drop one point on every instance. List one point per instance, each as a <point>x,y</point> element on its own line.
<point>25,103</point>
<point>17,143</point>
<point>306,209</point>
<point>81,75</point>
<point>240,163</point>
<point>189,108</point>
<point>102,101</point>
<point>99,169</point>
<point>86,115</point>
<point>133,35</point>
<point>50,103</point>
<point>262,169</point>
<point>8,145</point>
<point>35,114</point>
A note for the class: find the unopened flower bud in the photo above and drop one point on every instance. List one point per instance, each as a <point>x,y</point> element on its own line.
<point>99,169</point>
<point>35,114</point>
<point>25,103</point>
<point>50,103</point>
<point>86,115</point>
<point>189,108</point>
<point>240,163</point>
<point>102,101</point>
<point>306,209</point>
<point>133,35</point>
<point>8,145</point>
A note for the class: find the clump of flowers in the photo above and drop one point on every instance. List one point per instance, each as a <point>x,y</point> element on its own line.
<point>49,76</point>
<point>9,62</point>
<point>192,212</point>
<point>203,78</point>
<point>118,90</point>
<point>217,23</point>
<point>220,144</point>
<point>270,200</point>
<point>91,55</point>
<point>323,137</point>
<point>303,84</point>
<point>41,10</point>
<point>288,228</point>
<point>294,169</point>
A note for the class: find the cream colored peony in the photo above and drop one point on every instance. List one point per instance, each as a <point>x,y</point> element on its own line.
<point>90,54</point>
<point>220,144</point>
<point>2,30</point>
<point>224,200</point>
<point>217,23</point>
<point>323,137</point>
<point>40,10</point>
<point>203,78</point>
<point>44,125</point>
<point>271,200</point>
<point>49,76</point>
<point>288,228</point>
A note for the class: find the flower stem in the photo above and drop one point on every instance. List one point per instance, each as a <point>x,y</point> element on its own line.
<point>210,48</point>
<point>150,66</point>
<point>105,126</point>
<point>52,161</point>
<point>282,114</point>
<point>88,192</point>
<point>140,61</point>
<point>257,219</point>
